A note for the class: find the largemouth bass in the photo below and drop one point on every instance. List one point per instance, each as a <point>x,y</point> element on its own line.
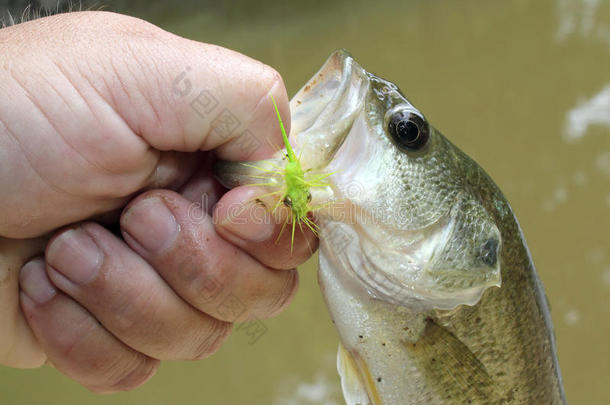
<point>423,265</point>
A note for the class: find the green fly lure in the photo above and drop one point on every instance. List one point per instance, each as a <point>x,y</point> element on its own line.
<point>294,186</point>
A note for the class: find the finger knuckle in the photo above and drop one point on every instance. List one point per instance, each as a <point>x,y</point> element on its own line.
<point>211,339</point>
<point>125,376</point>
<point>69,343</point>
<point>212,279</point>
<point>134,314</point>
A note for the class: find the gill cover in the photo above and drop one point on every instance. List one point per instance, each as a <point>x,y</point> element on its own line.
<point>416,230</point>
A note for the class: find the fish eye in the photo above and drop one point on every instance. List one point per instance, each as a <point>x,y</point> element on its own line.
<point>287,201</point>
<point>408,129</point>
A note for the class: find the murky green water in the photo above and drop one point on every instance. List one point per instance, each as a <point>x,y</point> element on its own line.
<point>501,79</point>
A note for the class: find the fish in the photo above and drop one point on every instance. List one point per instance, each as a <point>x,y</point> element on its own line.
<point>423,265</point>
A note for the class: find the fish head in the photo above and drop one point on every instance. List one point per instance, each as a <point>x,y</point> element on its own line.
<point>408,217</point>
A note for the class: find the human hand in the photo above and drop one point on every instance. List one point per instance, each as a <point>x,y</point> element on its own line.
<point>96,108</point>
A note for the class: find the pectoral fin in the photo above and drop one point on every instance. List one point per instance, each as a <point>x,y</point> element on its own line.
<point>450,368</point>
<point>356,381</point>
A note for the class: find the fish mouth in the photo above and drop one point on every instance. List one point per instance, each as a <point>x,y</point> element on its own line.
<point>322,114</point>
<point>324,109</point>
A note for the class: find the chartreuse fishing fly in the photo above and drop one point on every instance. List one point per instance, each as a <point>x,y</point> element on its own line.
<point>294,186</point>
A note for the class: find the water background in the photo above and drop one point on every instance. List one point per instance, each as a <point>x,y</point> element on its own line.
<point>521,86</point>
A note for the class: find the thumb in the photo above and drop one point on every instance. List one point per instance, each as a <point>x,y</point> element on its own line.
<point>187,95</point>
<point>200,96</point>
<point>93,98</point>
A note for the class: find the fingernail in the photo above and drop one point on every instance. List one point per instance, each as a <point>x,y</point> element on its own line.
<point>75,255</point>
<point>34,282</point>
<point>246,219</point>
<point>151,224</point>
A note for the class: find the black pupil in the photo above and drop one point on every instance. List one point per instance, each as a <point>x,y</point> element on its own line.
<point>409,130</point>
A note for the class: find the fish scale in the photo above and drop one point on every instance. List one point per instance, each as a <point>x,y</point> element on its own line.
<point>424,268</point>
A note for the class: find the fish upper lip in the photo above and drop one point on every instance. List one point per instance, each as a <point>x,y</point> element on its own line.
<point>323,111</point>
<point>306,106</point>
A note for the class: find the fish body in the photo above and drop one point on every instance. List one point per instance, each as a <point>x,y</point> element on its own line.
<point>423,265</point>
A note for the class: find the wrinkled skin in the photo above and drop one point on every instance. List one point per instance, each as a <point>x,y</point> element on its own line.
<point>118,250</point>
<point>423,265</point>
